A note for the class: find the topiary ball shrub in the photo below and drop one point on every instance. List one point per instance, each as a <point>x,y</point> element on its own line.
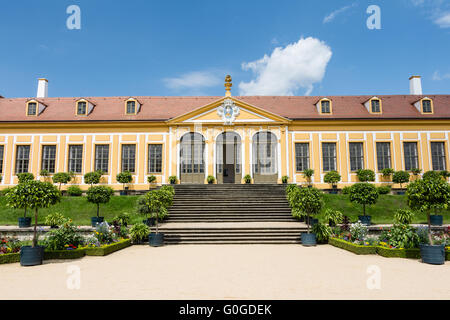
<point>365,175</point>
<point>364,193</point>
<point>332,177</point>
<point>384,190</point>
<point>400,177</point>
<point>74,191</point>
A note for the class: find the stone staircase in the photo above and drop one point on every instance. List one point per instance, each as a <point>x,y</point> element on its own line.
<point>231,214</point>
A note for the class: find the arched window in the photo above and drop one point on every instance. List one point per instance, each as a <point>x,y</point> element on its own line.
<point>192,162</point>
<point>228,158</point>
<point>265,150</point>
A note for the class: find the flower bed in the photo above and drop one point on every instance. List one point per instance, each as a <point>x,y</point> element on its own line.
<point>107,249</point>
<point>355,248</point>
<point>9,258</point>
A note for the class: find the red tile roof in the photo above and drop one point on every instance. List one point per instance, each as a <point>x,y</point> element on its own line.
<point>165,108</point>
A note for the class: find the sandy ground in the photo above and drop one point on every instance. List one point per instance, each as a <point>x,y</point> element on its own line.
<point>228,272</point>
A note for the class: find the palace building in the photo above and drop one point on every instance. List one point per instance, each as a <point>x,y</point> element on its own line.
<point>266,137</point>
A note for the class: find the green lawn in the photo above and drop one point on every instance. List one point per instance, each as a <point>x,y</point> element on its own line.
<point>80,211</point>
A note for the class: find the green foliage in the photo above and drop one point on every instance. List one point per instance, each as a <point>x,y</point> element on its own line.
<point>308,173</point>
<point>173,179</point>
<point>108,249</point>
<point>428,194</point>
<point>103,233</point>
<point>384,190</point>
<point>66,235</point>
<point>74,191</point>
<point>306,201</point>
<point>365,175</point>
<point>247,178</point>
<point>322,231</point>
<point>400,236</point>
<point>139,232</point>
<point>403,216</point>
<point>284,179</point>
<point>400,177</point>
<point>444,173</point>
<point>416,171</point>
<point>290,188</point>
<point>210,179</point>
<point>55,219</point>
<point>5,191</point>
<point>387,172</point>
<point>358,231</point>
<point>355,248</point>
<point>124,177</point>
<point>333,216</point>
<point>123,218</point>
<point>346,190</point>
<point>151,179</point>
<point>432,175</point>
<point>93,177</point>
<point>363,193</point>
<point>1,178</point>
<point>397,253</point>
<point>25,176</point>
<point>332,177</point>
<point>44,173</point>
<point>61,178</point>
<point>33,194</point>
<point>99,195</point>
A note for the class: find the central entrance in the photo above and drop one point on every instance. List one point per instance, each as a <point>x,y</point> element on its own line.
<point>228,158</point>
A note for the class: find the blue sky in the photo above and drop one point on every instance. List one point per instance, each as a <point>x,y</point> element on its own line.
<point>165,48</point>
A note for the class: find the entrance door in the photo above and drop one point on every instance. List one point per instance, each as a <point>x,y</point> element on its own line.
<point>192,163</point>
<point>228,158</point>
<point>265,168</point>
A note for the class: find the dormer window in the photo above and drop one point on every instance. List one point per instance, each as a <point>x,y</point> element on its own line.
<point>81,108</point>
<point>31,109</point>
<point>375,105</point>
<point>132,106</point>
<point>426,106</point>
<point>324,106</point>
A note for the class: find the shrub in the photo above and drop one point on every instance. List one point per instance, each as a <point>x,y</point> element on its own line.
<point>5,191</point>
<point>61,178</point>
<point>346,190</point>
<point>416,171</point>
<point>431,175</point>
<point>139,232</point>
<point>103,233</point>
<point>211,179</point>
<point>284,179</point>
<point>124,178</point>
<point>363,193</point>
<point>158,201</point>
<point>247,178</point>
<point>93,177</point>
<point>400,236</point>
<point>173,179</point>
<point>332,177</point>
<point>99,195</point>
<point>387,172</point>
<point>358,231</point>
<point>355,248</point>
<point>333,216</point>
<point>322,231</point>
<point>384,189</point>
<point>55,219</point>
<point>151,179</point>
<point>289,189</point>
<point>25,176</point>
<point>403,216</point>
<point>123,218</point>
<point>400,177</point>
<point>365,175</point>
<point>308,201</point>
<point>445,174</point>
<point>74,191</point>
<point>44,173</point>
<point>63,238</point>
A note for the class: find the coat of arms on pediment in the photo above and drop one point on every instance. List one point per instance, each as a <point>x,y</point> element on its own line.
<point>228,111</point>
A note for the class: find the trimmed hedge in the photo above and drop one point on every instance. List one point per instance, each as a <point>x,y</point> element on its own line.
<point>64,254</point>
<point>398,253</point>
<point>352,247</point>
<point>447,255</point>
<point>9,258</point>
<point>108,249</point>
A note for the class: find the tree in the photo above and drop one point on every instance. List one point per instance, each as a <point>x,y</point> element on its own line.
<point>61,178</point>
<point>363,193</point>
<point>36,195</point>
<point>124,178</point>
<point>25,176</point>
<point>387,172</point>
<point>308,173</point>
<point>93,177</point>
<point>400,177</point>
<point>428,194</point>
<point>332,177</point>
<point>308,201</point>
<point>159,201</point>
<point>365,175</point>
<point>99,195</point>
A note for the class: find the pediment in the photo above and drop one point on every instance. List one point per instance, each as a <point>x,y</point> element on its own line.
<point>229,111</point>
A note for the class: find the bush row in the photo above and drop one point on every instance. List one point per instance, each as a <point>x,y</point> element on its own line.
<point>108,249</point>
<point>9,258</point>
<point>352,247</point>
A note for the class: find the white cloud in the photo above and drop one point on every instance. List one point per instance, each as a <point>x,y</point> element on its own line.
<point>195,79</point>
<point>437,76</point>
<point>333,14</point>
<point>286,70</point>
<point>443,20</point>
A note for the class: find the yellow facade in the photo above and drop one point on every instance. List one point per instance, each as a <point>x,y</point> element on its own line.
<point>208,123</point>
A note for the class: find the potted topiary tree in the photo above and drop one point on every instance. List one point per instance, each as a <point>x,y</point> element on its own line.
<point>416,172</point>
<point>284,179</point>
<point>365,175</point>
<point>428,195</point>
<point>308,173</point>
<point>93,177</point>
<point>211,179</point>
<point>247,179</point>
<point>387,173</point>
<point>22,201</point>
<point>309,201</point>
<point>400,177</point>
<point>98,195</point>
<point>61,178</point>
<point>124,178</point>
<point>158,202</point>
<point>366,194</point>
<point>173,180</point>
<point>152,180</point>
<point>334,217</point>
<point>435,219</point>
<point>332,177</point>
<point>45,174</point>
<point>38,195</point>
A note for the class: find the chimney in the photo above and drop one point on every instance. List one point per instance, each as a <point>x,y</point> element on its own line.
<point>415,85</point>
<point>42,91</point>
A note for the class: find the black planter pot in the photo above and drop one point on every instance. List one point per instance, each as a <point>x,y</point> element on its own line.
<point>365,220</point>
<point>123,192</point>
<point>309,239</point>
<point>24,222</point>
<point>400,193</point>
<point>30,256</point>
<point>436,220</point>
<point>156,239</point>
<point>310,186</point>
<point>432,254</point>
<point>95,220</point>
